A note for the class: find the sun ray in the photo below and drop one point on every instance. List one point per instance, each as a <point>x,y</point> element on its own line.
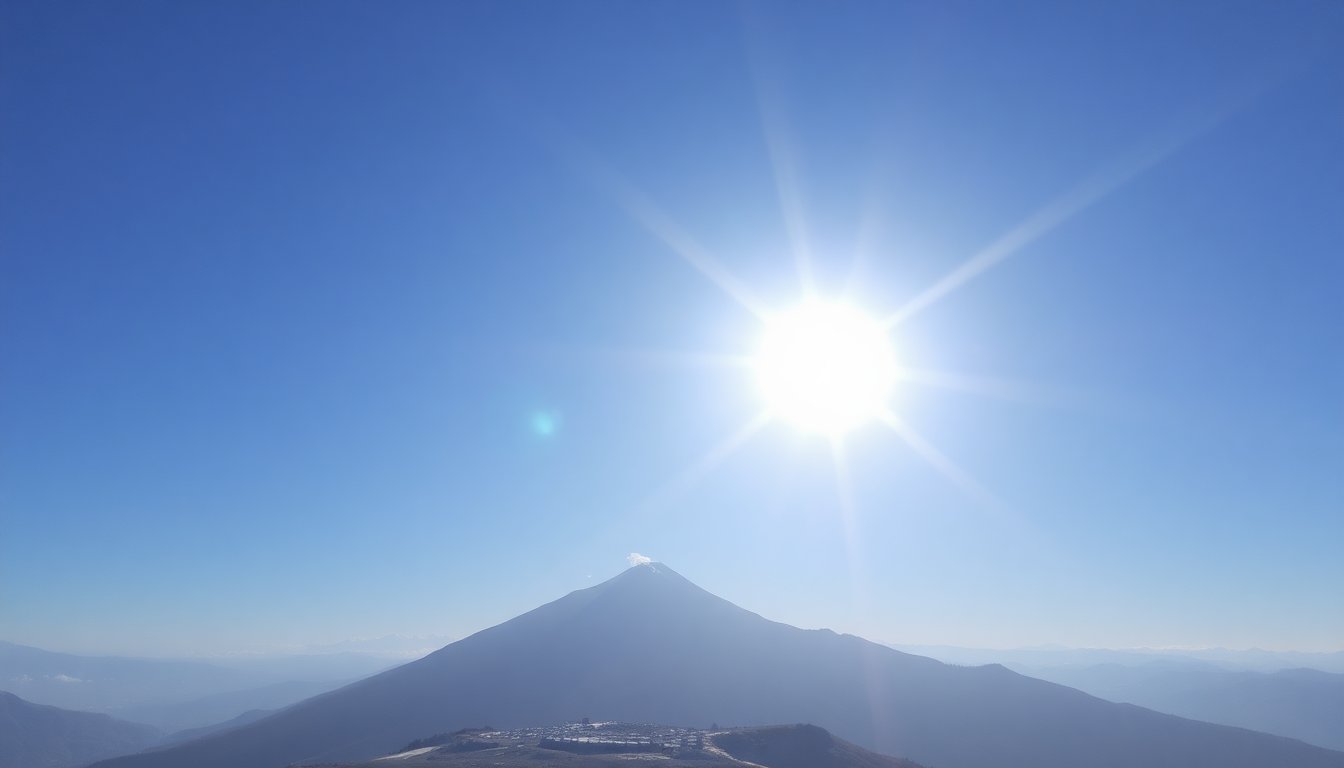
<point>783,162</point>
<point>1092,189</point>
<point>648,215</point>
<point>701,467</point>
<point>994,387</point>
<point>940,461</point>
<point>877,704</point>
<point>588,164</point>
<point>844,489</point>
<point>872,225</point>
<point>790,198</point>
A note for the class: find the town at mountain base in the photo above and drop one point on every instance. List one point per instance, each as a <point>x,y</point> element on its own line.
<point>616,745</point>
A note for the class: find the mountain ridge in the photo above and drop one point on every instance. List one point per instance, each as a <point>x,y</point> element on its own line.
<point>651,646</point>
<point>42,736</point>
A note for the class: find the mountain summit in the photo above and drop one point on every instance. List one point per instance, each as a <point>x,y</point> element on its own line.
<point>650,646</point>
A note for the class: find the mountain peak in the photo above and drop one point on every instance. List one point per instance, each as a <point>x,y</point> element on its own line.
<point>647,594</point>
<point>653,579</point>
<point>651,566</point>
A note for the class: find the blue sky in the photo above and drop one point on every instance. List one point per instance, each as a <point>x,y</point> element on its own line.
<point>287,287</point>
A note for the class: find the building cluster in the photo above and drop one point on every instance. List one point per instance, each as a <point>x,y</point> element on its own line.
<point>586,737</point>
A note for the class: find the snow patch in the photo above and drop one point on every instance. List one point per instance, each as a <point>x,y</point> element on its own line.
<point>408,754</point>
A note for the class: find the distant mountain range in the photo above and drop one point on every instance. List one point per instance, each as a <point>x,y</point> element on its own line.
<point>173,694</point>
<point>649,646</point>
<point>39,736</point>
<point>209,711</point>
<point>110,683</point>
<point>386,646</point>
<point>1304,704</point>
<point>1250,660</point>
<point>1225,687</point>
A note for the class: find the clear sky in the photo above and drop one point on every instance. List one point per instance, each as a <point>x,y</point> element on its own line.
<point>333,320</point>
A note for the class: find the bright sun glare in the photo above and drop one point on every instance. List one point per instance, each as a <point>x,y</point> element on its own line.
<point>825,367</point>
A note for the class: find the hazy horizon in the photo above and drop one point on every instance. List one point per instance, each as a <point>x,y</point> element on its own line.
<point>379,645</point>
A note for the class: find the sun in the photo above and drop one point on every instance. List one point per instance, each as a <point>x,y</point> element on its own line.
<point>825,367</point>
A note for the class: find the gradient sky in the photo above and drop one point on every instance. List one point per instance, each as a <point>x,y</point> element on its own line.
<point>333,320</point>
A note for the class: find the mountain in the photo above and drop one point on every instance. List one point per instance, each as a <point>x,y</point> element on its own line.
<point>1304,704</point>
<point>649,646</point>
<point>39,736</point>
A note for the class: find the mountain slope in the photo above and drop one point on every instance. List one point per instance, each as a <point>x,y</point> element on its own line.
<point>39,736</point>
<point>649,646</point>
<point>250,716</point>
